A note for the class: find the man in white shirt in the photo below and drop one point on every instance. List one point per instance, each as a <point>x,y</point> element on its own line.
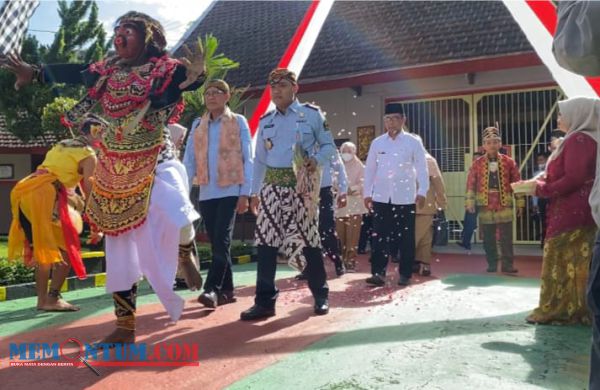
<point>395,165</point>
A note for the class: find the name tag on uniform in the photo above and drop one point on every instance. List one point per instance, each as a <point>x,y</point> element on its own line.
<point>269,126</point>
<point>301,121</point>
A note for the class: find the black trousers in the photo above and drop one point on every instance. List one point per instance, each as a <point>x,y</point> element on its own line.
<point>542,205</point>
<point>469,226</point>
<point>329,238</point>
<point>393,225</point>
<point>267,292</point>
<point>366,230</point>
<point>593,301</point>
<point>219,218</point>
<point>595,355</point>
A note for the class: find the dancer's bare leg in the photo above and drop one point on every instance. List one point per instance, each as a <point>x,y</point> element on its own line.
<point>54,301</point>
<point>42,273</point>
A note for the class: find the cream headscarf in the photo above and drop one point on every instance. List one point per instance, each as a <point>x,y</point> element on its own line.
<point>582,114</point>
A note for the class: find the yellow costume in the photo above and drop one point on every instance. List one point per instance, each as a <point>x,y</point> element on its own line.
<point>36,197</point>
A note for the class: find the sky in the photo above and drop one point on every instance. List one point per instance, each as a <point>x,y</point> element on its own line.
<point>175,15</point>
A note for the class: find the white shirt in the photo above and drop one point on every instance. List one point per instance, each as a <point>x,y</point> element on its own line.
<point>394,168</point>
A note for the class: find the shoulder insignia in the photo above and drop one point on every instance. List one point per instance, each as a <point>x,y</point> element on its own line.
<point>266,114</point>
<point>311,106</point>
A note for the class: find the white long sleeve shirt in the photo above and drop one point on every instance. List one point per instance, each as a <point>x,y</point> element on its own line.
<point>394,168</point>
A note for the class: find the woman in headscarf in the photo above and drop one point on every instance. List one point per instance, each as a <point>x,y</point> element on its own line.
<point>46,225</point>
<point>571,229</point>
<point>349,218</point>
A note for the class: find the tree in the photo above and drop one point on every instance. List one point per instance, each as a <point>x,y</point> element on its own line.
<point>80,38</point>
<point>52,114</point>
<point>22,111</point>
<point>75,33</point>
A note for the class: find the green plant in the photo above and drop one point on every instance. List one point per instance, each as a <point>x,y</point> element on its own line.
<point>53,112</point>
<point>239,248</point>
<point>217,66</point>
<point>13,272</point>
<point>204,252</point>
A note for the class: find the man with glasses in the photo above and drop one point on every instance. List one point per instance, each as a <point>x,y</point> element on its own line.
<point>287,216</point>
<point>219,154</point>
<point>396,180</point>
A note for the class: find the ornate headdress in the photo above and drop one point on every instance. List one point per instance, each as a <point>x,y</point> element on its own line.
<point>491,133</point>
<point>154,33</point>
<point>279,74</point>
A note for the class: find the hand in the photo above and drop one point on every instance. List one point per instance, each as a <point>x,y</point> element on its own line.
<point>342,201</point>
<point>420,201</point>
<point>94,238</point>
<point>369,203</point>
<point>194,65</point>
<point>311,164</point>
<point>470,209</point>
<point>20,68</point>
<point>254,202</point>
<point>520,212</point>
<point>242,204</point>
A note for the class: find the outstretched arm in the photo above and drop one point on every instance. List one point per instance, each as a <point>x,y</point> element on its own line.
<point>58,73</point>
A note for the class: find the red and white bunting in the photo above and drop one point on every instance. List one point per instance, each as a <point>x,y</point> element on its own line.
<point>297,52</point>
<point>538,21</point>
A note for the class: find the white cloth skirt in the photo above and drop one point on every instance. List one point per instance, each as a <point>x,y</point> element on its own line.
<point>151,250</point>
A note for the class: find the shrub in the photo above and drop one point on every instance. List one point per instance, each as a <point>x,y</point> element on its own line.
<point>239,248</point>
<point>15,272</point>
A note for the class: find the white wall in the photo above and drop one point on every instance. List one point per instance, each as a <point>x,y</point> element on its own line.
<point>21,163</point>
<point>346,111</point>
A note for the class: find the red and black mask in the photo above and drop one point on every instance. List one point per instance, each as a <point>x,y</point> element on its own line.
<point>129,41</point>
<point>138,35</point>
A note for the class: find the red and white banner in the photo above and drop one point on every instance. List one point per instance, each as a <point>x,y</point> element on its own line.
<point>297,52</point>
<point>538,21</point>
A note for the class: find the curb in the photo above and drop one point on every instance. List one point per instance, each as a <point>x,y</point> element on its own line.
<point>25,290</point>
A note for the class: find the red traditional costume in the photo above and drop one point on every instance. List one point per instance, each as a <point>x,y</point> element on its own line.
<point>489,191</point>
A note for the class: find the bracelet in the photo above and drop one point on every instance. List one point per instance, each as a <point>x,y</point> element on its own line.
<point>38,75</point>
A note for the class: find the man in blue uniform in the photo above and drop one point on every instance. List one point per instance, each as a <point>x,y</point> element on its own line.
<point>283,213</point>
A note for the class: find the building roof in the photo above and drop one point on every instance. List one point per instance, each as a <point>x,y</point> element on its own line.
<point>10,141</point>
<point>360,36</point>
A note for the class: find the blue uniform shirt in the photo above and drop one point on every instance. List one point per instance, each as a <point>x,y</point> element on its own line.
<point>212,189</point>
<point>278,133</point>
<point>335,168</point>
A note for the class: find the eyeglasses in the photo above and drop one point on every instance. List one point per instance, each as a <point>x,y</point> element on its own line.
<point>215,92</point>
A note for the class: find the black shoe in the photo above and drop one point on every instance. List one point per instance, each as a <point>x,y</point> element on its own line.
<point>403,281</point>
<point>301,276</point>
<point>256,313</point>
<point>510,270</point>
<point>209,299</point>
<point>226,297</point>
<point>376,280</point>
<point>322,307</point>
<point>340,269</point>
<point>416,268</point>
<point>180,284</point>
